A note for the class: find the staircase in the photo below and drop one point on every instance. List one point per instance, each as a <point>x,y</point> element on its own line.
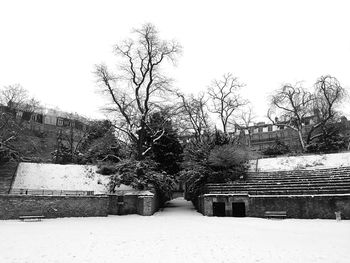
<point>7,175</point>
<point>303,182</point>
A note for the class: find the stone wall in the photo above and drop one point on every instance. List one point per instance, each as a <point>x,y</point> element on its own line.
<point>148,204</point>
<point>301,206</point>
<point>13,206</point>
<point>205,203</point>
<point>307,207</point>
<point>133,204</point>
<point>123,205</point>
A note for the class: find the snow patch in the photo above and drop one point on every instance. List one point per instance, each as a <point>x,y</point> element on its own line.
<point>62,177</point>
<point>305,162</point>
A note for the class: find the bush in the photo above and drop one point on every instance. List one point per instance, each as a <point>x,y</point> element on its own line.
<point>141,175</point>
<point>228,156</point>
<point>7,155</point>
<point>195,177</point>
<point>331,141</point>
<point>106,169</point>
<point>212,161</point>
<point>278,148</point>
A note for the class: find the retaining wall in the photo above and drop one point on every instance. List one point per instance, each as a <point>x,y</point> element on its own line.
<point>127,205</point>
<point>13,206</point>
<point>303,206</point>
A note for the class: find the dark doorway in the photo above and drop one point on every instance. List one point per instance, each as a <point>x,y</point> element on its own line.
<point>238,209</point>
<point>219,209</point>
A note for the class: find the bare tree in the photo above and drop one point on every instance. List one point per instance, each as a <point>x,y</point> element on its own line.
<point>244,120</point>
<point>193,115</point>
<point>9,130</point>
<point>329,94</point>
<point>72,138</point>
<point>13,98</point>
<point>225,98</point>
<point>291,105</point>
<point>138,82</point>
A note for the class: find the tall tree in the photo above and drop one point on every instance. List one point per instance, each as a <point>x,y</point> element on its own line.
<point>167,151</point>
<point>292,105</point>
<point>329,95</point>
<point>226,99</point>
<point>193,115</point>
<point>244,121</point>
<point>13,98</point>
<point>134,89</point>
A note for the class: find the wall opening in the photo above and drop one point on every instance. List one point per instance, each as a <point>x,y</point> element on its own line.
<point>120,199</point>
<point>238,209</point>
<point>219,209</point>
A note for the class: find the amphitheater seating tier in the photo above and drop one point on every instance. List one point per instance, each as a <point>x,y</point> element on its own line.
<point>296,182</point>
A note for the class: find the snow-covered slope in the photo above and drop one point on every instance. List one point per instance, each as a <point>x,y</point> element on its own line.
<point>301,162</point>
<point>61,177</point>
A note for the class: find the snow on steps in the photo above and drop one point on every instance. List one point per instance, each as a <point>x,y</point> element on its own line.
<point>300,182</point>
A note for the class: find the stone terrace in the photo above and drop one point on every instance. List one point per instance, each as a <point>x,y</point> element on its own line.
<point>296,182</point>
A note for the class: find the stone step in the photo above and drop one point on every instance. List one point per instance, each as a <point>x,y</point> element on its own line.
<point>281,192</point>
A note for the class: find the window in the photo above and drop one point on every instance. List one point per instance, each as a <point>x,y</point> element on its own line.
<point>260,129</point>
<point>19,114</point>
<point>59,122</point>
<point>269,128</point>
<point>66,122</point>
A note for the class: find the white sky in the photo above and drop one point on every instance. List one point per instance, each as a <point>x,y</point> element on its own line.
<point>50,47</point>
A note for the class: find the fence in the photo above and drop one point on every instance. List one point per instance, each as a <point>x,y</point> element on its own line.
<point>19,191</point>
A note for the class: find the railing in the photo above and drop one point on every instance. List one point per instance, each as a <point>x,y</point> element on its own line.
<point>19,191</point>
<point>129,192</point>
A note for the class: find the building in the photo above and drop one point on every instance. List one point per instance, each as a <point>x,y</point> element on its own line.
<point>47,121</point>
<point>262,135</point>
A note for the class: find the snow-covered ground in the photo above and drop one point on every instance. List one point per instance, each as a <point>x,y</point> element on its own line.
<point>176,234</point>
<point>317,161</point>
<point>61,177</point>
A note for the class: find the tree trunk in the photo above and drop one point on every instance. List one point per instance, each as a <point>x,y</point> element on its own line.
<point>140,144</point>
<point>301,140</point>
